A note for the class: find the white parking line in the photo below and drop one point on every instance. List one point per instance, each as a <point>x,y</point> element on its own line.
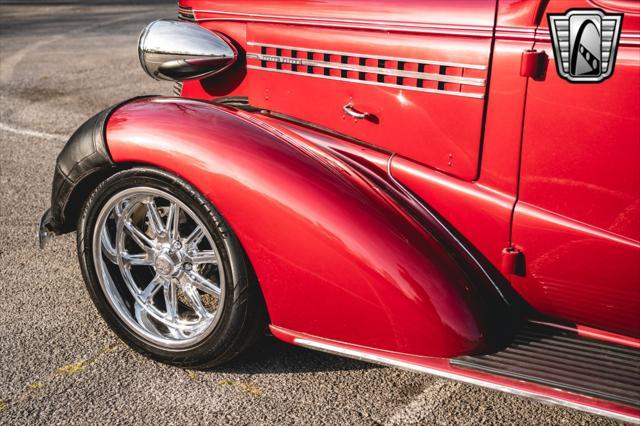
<point>418,410</point>
<point>27,132</point>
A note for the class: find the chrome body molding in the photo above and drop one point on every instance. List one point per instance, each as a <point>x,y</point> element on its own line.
<point>371,70</point>
<point>362,55</point>
<point>391,362</point>
<point>372,83</point>
<point>515,33</point>
<point>347,21</point>
<point>460,30</point>
<point>627,39</point>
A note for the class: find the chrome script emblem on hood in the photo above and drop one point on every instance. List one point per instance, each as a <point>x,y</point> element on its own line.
<point>585,42</point>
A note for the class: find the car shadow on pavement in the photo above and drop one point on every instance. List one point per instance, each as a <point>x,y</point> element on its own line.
<point>270,355</point>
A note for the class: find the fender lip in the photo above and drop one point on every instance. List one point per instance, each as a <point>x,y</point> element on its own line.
<point>84,154</point>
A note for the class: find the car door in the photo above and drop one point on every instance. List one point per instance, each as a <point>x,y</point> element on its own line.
<point>577,219</point>
<point>408,77</point>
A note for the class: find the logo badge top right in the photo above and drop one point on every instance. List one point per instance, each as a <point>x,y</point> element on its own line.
<point>585,42</point>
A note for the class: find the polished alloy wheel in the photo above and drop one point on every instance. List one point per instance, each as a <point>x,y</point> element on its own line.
<point>158,267</point>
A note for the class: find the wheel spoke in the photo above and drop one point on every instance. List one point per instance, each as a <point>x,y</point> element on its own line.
<point>152,289</point>
<point>107,247</point>
<point>204,256</point>
<point>196,236</point>
<point>119,208</point>
<point>136,259</point>
<point>201,283</point>
<point>144,318</point>
<point>173,221</point>
<point>194,300</point>
<point>171,301</point>
<point>154,218</point>
<point>138,236</point>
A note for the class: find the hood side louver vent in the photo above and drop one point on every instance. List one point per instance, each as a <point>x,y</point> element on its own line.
<point>457,79</point>
<point>186,14</point>
<point>177,88</point>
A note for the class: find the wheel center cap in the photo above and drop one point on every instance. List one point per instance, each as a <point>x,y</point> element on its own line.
<point>164,265</point>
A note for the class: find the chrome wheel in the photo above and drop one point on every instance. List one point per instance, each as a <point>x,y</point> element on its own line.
<point>159,267</point>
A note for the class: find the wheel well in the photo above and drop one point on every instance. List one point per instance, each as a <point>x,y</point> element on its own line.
<point>83,189</point>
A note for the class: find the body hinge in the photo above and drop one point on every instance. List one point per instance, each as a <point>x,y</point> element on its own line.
<point>512,261</point>
<point>534,64</point>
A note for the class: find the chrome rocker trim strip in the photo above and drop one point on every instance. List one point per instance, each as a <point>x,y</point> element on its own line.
<point>362,55</point>
<point>372,83</point>
<point>378,359</point>
<point>371,70</point>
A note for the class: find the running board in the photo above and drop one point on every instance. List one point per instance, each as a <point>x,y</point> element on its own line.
<point>564,360</point>
<point>443,367</point>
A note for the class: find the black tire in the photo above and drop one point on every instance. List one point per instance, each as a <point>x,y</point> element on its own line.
<point>243,319</point>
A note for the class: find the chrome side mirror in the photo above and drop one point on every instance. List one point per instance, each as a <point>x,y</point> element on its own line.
<point>176,50</point>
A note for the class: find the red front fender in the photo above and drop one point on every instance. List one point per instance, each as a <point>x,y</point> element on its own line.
<point>333,257</point>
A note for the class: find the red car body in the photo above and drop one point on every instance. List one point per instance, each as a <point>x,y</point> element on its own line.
<point>452,212</point>
<point>577,185</point>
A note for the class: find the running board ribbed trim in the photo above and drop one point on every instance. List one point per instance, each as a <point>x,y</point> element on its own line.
<point>364,355</point>
<point>564,360</point>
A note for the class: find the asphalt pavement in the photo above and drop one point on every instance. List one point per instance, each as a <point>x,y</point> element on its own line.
<point>60,364</point>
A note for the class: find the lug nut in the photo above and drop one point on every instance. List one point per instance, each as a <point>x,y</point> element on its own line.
<point>187,266</point>
<point>176,245</point>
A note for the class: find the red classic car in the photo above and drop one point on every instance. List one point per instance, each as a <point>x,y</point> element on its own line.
<point>445,186</point>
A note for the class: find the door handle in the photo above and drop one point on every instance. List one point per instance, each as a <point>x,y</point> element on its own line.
<point>350,111</point>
